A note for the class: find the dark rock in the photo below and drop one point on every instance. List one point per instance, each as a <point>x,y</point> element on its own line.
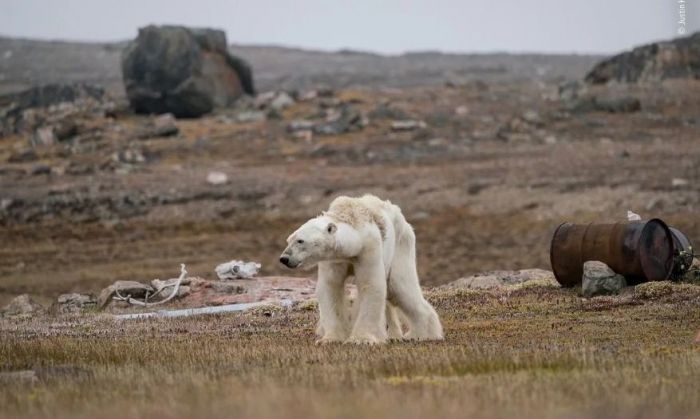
<point>23,156</point>
<point>618,105</point>
<point>625,104</point>
<point>51,94</point>
<point>384,111</point>
<point>678,58</point>
<point>183,71</point>
<point>65,129</point>
<point>346,120</point>
<point>599,279</point>
<point>40,169</point>
<point>300,125</point>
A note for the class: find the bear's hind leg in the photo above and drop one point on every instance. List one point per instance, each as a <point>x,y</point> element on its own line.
<point>393,322</point>
<point>404,289</point>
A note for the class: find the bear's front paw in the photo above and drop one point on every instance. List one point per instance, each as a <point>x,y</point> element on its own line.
<point>365,339</point>
<point>330,338</point>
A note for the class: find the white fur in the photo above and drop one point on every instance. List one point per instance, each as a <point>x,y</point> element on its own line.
<point>374,241</point>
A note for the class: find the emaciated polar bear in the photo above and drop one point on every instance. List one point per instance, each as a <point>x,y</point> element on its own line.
<point>370,239</point>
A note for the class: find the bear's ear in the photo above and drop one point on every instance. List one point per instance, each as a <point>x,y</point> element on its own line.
<point>332,228</point>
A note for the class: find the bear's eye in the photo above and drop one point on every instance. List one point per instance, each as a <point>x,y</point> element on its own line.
<point>300,241</point>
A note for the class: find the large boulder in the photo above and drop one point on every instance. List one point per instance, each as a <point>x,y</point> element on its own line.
<point>183,71</point>
<point>679,58</point>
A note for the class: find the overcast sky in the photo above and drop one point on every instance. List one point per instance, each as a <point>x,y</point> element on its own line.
<point>581,26</point>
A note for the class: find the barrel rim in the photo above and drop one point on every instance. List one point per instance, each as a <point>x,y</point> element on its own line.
<point>551,253</point>
<point>669,238</point>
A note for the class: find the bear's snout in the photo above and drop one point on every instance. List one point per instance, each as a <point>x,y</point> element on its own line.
<point>284,260</point>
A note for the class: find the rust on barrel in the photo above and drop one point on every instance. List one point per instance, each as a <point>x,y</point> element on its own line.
<point>640,251</point>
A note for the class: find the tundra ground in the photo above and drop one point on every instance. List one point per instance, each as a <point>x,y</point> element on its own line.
<point>534,351</point>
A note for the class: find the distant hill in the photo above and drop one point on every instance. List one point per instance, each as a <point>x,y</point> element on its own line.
<point>27,62</point>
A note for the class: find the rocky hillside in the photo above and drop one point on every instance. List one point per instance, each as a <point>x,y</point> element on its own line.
<point>674,59</point>
<point>27,62</point>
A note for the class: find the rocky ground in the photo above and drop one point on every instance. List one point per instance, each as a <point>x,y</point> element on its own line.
<point>484,171</point>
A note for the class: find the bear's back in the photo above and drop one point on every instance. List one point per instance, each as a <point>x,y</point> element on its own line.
<point>359,211</point>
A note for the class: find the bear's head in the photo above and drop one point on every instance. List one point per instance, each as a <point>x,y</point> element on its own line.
<point>313,242</point>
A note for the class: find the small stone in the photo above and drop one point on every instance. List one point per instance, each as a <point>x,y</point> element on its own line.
<point>130,156</point>
<point>5,203</point>
<point>305,135</point>
<point>164,125</point>
<point>161,126</point>
<point>281,101</point>
<point>300,125</point>
<point>125,288</point>
<point>461,110</point>
<point>385,111</point>
<point>40,169</point>
<point>550,140</point>
<point>22,305</point>
<point>74,303</point>
<point>308,95</point>
<point>532,117</point>
<point>407,125</point>
<point>599,279</point>
<point>23,156</point>
<point>44,136</point>
<point>251,116</point>
<point>678,182</point>
<point>217,178</point>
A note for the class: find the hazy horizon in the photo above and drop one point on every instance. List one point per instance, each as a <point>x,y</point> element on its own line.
<point>450,26</point>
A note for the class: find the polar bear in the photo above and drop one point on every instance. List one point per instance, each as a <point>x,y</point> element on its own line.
<point>371,240</point>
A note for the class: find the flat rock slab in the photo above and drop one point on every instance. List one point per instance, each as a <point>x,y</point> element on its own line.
<point>498,279</point>
<point>206,293</point>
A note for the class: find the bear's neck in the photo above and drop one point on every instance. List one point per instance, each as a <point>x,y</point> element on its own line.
<point>348,241</point>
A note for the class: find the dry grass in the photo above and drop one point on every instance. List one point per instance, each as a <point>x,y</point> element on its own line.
<point>531,352</point>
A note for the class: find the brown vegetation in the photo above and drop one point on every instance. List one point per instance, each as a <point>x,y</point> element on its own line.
<point>535,352</point>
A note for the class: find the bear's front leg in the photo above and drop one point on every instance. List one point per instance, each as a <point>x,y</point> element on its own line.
<point>370,277</point>
<point>330,291</point>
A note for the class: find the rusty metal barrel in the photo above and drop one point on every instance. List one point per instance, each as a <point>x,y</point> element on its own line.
<point>640,251</point>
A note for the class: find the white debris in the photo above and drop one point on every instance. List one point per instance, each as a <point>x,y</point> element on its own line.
<point>227,308</point>
<point>631,216</point>
<point>675,182</point>
<point>281,101</point>
<point>217,178</point>
<point>237,269</point>
<point>407,125</point>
